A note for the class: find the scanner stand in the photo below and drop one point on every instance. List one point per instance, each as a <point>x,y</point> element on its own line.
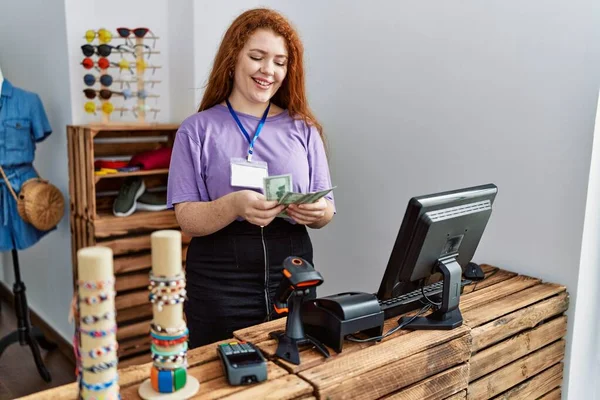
<point>294,335</point>
<point>448,316</point>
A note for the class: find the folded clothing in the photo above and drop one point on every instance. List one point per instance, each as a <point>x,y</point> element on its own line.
<point>154,159</point>
<point>113,164</point>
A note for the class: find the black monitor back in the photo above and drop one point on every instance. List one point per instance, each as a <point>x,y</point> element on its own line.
<point>446,224</point>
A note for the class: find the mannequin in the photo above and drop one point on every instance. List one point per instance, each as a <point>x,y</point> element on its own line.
<point>19,126</point>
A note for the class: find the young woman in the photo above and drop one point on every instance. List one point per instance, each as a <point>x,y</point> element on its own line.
<point>253,120</point>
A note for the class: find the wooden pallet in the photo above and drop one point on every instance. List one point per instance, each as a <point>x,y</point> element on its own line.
<point>92,221</point>
<point>511,345</point>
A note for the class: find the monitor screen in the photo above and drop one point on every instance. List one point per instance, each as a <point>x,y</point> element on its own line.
<point>436,227</point>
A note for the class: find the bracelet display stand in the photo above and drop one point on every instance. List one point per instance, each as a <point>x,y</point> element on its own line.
<point>97,335</point>
<point>168,374</point>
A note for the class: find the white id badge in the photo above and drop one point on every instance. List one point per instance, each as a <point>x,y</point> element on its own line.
<point>249,174</point>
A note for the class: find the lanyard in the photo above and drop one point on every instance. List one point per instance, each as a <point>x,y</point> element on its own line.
<point>258,128</point>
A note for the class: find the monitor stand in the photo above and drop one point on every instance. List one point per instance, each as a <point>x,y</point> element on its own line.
<point>448,316</point>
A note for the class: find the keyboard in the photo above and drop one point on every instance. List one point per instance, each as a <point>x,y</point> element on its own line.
<point>413,300</point>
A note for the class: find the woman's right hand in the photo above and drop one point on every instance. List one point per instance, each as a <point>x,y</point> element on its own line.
<point>254,208</point>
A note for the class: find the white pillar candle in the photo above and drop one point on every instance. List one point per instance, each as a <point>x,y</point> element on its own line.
<point>95,268</point>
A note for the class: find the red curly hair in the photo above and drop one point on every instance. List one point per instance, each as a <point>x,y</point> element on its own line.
<point>291,95</point>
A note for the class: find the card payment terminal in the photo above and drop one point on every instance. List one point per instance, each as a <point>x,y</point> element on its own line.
<point>243,363</point>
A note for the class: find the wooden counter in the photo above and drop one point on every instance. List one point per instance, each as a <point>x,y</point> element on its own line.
<point>511,345</point>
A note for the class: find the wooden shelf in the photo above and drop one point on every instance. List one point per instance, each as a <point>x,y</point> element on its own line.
<point>93,223</point>
<point>107,224</point>
<point>134,173</point>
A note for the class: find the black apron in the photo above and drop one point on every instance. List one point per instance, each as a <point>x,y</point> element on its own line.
<point>232,276</point>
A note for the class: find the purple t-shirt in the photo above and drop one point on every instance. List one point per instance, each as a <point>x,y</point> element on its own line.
<point>200,167</point>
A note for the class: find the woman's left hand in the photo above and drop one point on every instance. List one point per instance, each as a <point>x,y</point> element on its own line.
<point>308,214</point>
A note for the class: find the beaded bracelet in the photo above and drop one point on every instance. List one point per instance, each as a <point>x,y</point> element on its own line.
<point>161,300</point>
<point>168,381</point>
<point>165,289</point>
<point>92,319</point>
<point>101,367</point>
<point>99,333</point>
<point>160,329</point>
<point>170,342</point>
<point>90,300</point>
<point>174,337</point>
<point>101,351</point>
<point>176,358</point>
<point>95,285</point>
<point>154,350</point>
<point>99,386</point>
<point>178,279</point>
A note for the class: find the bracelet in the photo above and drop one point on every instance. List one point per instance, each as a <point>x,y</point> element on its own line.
<point>101,367</point>
<point>99,386</point>
<point>162,280</point>
<point>168,381</point>
<point>170,342</point>
<point>154,350</point>
<point>169,300</point>
<point>165,289</point>
<point>176,358</point>
<point>92,319</point>
<point>100,351</point>
<point>98,299</point>
<point>99,333</point>
<point>175,337</point>
<point>160,329</point>
<point>95,285</point>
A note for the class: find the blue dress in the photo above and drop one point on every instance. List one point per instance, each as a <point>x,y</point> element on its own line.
<point>23,122</point>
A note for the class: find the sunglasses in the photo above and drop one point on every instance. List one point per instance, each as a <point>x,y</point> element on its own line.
<point>104,36</point>
<point>141,94</point>
<point>137,32</point>
<point>104,94</point>
<point>90,107</point>
<point>107,108</point>
<point>90,80</point>
<point>103,50</point>
<point>102,63</point>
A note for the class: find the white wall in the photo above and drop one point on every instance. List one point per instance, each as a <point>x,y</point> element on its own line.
<point>422,97</point>
<point>42,66</point>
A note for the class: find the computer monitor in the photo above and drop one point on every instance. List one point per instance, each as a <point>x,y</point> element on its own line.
<point>439,233</point>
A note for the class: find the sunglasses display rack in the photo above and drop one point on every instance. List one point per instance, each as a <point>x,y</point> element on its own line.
<point>133,65</point>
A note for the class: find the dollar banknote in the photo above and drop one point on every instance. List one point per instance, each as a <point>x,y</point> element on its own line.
<point>276,186</point>
<point>303,198</point>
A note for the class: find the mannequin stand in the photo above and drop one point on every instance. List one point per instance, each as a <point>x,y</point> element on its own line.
<point>25,333</point>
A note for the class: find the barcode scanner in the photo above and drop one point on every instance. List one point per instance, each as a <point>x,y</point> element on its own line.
<point>298,277</point>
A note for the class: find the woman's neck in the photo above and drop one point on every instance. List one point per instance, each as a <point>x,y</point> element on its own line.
<point>240,104</point>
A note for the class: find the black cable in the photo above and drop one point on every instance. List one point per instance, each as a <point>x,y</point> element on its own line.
<point>352,338</point>
<point>487,277</point>
<point>433,303</point>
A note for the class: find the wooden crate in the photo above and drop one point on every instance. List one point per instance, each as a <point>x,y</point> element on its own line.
<point>518,328</point>
<point>510,346</point>
<point>92,221</point>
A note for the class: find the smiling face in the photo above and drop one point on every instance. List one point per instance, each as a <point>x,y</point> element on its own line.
<point>261,67</point>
